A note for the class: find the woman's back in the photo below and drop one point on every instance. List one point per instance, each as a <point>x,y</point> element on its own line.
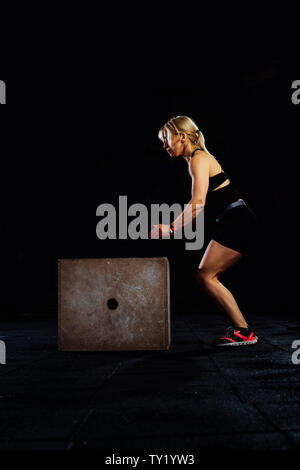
<point>221,192</point>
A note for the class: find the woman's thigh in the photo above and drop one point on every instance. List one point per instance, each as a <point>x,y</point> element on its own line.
<point>217,258</point>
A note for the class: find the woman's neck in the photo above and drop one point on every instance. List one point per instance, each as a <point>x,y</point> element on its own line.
<point>188,153</point>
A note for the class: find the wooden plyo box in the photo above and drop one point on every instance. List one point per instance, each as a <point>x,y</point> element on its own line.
<point>111,304</point>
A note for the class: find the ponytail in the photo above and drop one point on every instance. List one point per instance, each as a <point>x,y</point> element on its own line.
<point>185,124</point>
<point>200,141</point>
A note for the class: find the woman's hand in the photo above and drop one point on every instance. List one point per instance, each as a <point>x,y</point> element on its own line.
<point>160,231</point>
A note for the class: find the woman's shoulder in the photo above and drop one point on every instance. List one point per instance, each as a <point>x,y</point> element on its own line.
<point>199,153</point>
<point>214,165</point>
<point>204,153</point>
<point>198,157</point>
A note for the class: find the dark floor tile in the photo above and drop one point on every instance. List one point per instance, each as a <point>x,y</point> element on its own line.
<point>174,419</point>
<point>39,423</point>
<point>269,392</point>
<point>188,443</point>
<point>285,416</point>
<point>34,445</point>
<point>295,436</point>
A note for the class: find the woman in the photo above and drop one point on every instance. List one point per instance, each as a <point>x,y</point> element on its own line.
<point>234,223</point>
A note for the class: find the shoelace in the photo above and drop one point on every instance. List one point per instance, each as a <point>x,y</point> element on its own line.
<point>229,330</point>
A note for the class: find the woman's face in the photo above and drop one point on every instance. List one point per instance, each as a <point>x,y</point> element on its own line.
<point>172,144</point>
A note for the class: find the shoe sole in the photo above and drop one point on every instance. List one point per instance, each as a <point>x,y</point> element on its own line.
<point>242,343</point>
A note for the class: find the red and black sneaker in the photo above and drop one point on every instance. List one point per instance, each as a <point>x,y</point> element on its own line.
<point>237,337</point>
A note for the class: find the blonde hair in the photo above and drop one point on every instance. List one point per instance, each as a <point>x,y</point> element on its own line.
<point>184,124</point>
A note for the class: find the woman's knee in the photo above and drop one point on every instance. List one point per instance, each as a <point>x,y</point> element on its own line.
<point>203,277</point>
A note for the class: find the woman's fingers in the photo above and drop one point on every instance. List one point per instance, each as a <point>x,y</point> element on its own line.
<point>154,232</point>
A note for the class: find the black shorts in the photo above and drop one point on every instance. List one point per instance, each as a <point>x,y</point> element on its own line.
<point>237,229</point>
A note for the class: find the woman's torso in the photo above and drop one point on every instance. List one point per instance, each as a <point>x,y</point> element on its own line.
<point>220,192</point>
<point>214,170</point>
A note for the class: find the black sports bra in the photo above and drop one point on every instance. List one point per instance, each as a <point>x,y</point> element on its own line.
<point>216,180</point>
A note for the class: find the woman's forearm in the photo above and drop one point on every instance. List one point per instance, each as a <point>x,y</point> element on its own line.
<point>190,212</point>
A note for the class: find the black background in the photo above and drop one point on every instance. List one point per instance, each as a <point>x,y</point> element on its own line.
<point>84,132</point>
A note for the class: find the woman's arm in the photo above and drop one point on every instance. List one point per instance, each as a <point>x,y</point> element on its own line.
<point>199,171</point>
